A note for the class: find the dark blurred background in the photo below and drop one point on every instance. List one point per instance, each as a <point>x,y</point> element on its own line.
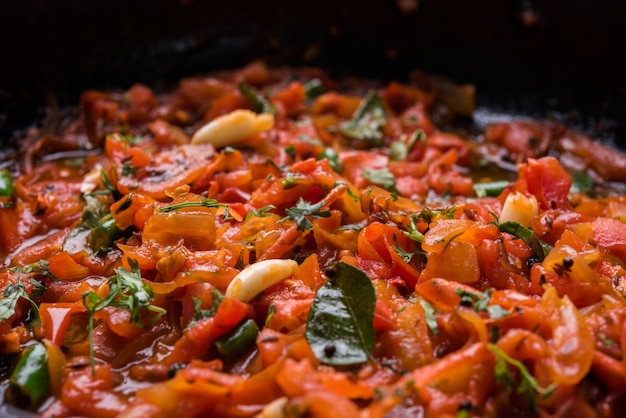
<point>542,58</point>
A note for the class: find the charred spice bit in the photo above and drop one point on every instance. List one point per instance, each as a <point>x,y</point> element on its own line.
<point>330,350</point>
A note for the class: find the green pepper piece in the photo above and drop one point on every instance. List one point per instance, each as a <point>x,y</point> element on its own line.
<point>104,234</point>
<point>6,183</point>
<point>313,88</point>
<point>238,341</point>
<point>260,104</point>
<point>30,381</point>
<point>492,188</point>
<point>333,158</point>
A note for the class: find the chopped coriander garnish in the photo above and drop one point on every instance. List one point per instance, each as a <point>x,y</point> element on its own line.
<point>333,158</point>
<point>406,256</point>
<point>14,292</point>
<point>367,121</point>
<point>300,213</point>
<point>128,169</point>
<point>539,247</point>
<point>401,148</point>
<point>39,267</point>
<point>480,301</point>
<point>350,227</point>
<point>606,340</point>
<point>527,386</point>
<point>126,291</point>
<point>412,230</point>
<point>381,177</point>
<point>289,181</point>
<point>260,213</point>
<point>429,311</point>
<point>199,313</point>
<point>204,203</point>
<point>582,182</point>
<point>290,150</point>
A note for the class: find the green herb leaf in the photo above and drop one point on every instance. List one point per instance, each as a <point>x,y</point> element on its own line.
<point>606,340</point>
<point>340,327</point>
<point>527,386</point>
<point>412,231</point>
<point>261,213</point>
<point>406,256</point>
<point>310,140</point>
<point>126,291</point>
<point>290,150</point>
<point>107,183</point>
<point>104,234</point>
<point>199,313</point>
<point>94,211</point>
<point>271,311</point>
<point>381,177</point>
<point>260,103</point>
<point>39,267</point>
<point>350,227</point>
<point>480,301</point>
<point>367,121</point>
<point>289,181</point>
<point>300,213</point>
<point>9,300</point>
<point>431,321</point>
<point>204,203</point>
<point>333,159</point>
<point>401,148</point>
<point>582,182</point>
<point>128,169</point>
<point>539,247</point>
<point>13,292</point>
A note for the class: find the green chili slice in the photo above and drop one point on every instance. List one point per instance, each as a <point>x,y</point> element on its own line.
<point>104,234</point>
<point>237,342</point>
<point>6,183</point>
<point>30,381</point>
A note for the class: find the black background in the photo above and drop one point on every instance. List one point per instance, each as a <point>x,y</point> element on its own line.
<point>570,64</point>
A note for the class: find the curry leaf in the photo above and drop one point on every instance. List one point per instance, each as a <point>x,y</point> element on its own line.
<point>340,327</point>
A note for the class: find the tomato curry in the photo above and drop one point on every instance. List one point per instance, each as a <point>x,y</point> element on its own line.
<point>275,243</point>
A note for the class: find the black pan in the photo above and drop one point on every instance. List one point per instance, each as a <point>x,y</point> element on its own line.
<point>541,58</point>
